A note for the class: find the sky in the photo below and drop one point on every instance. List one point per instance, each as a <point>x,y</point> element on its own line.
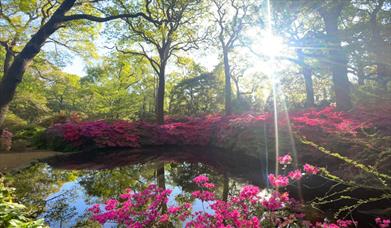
<point>77,66</point>
<point>206,57</point>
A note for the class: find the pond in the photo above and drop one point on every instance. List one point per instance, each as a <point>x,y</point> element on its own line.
<point>61,189</point>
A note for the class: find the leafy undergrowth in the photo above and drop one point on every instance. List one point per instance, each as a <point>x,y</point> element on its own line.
<point>13,214</point>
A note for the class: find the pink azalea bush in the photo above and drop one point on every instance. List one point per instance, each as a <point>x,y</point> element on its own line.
<point>6,140</point>
<point>251,208</point>
<point>216,130</point>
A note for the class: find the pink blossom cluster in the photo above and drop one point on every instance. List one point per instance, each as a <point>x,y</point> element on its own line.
<point>310,169</point>
<point>383,223</point>
<point>278,181</point>
<point>285,160</point>
<point>133,209</point>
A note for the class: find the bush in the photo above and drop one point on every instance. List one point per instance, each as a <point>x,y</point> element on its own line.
<point>13,122</point>
<point>14,214</point>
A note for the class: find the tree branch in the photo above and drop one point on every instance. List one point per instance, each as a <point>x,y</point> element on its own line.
<point>109,18</point>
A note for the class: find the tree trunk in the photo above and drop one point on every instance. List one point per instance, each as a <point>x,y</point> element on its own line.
<point>225,187</point>
<point>236,82</point>
<point>338,58</point>
<point>227,90</point>
<point>160,97</point>
<point>360,76</point>
<point>160,175</point>
<point>15,72</point>
<point>309,88</point>
<point>380,48</point>
<point>161,181</point>
<point>3,112</point>
<point>307,73</point>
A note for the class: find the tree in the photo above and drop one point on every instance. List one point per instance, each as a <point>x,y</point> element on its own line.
<point>231,18</point>
<point>159,39</point>
<point>116,87</point>
<point>16,63</point>
<point>331,15</point>
<point>378,42</point>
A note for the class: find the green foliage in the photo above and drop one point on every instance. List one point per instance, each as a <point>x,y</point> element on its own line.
<point>14,122</point>
<point>14,214</point>
<point>35,183</point>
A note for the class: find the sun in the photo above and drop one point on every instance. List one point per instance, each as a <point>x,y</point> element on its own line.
<point>266,44</point>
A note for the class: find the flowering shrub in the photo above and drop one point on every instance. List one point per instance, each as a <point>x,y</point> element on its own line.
<point>250,208</point>
<point>220,131</point>
<point>327,119</point>
<point>6,140</point>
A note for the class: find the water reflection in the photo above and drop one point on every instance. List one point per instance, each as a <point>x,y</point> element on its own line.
<point>62,197</point>
<point>35,183</point>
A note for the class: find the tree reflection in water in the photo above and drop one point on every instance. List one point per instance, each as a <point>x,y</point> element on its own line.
<point>63,196</point>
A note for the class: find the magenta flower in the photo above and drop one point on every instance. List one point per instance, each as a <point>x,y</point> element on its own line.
<point>249,191</point>
<point>208,185</point>
<point>383,223</point>
<point>200,179</point>
<point>95,209</point>
<point>111,204</point>
<point>163,218</point>
<point>345,223</point>
<point>295,175</point>
<point>285,160</point>
<point>173,210</point>
<point>203,195</point>
<point>278,181</point>
<point>310,169</point>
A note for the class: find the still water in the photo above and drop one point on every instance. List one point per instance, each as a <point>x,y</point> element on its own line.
<point>62,189</point>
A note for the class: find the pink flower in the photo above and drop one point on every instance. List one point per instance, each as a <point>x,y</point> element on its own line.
<point>208,185</point>
<point>203,195</point>
<point>285,160</point>
<point>124,196</point>
<point>310,169</point>
<point>200,179</point>
<point>95,209</point>
<point>345,223</point>
<point>249,191</point>
<point>383,223</point>
<point>111,204</point>
<point>278,181</point>
<point>173,210</point>
<point>295,175</point>
<point>163,218</point>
